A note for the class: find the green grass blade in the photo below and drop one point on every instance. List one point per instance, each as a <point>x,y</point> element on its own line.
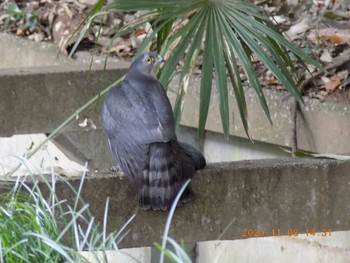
<point>170,216</point>
<point>95,11</point>
<point>166,253</point>
<point>180,251</point>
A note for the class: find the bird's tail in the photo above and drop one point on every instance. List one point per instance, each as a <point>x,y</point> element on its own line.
<point>169,168</point>
<point>195,155</point>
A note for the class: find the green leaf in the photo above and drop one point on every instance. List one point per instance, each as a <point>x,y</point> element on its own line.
<point>233,32</point>
<point>172,5</point>
<point>151,36</point>
<point>206,83</point>
<point>190,63</point>
<point>237,88</point>
<point>95,11</point>
<point>13,9</point>
<point>300,153</point>
<point>164,251</point>
<point>164,33</point>
<point>273,62</point>
<point>182,38</point>
<point>217,42</point>
<point>245,62</point>
<point>277,36</point>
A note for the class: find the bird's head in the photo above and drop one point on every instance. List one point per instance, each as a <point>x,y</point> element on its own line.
<point>146,62</point>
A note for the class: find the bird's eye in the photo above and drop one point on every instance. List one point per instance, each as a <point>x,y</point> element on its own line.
<point>150,60</point>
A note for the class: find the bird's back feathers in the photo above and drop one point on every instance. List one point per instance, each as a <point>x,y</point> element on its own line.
<point>138,120</point>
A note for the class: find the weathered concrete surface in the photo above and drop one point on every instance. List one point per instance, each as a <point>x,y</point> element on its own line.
<point>311,249</point>
<point>126,255</point>
<point>28,92</point>
<point>16,50</point>
<point>93,145</point>
<point>40,99</point>
<point>19,52</point>
<point>49,158</point>
<point>284,193</point>
<point>322,126</point>
<point>37,100</point>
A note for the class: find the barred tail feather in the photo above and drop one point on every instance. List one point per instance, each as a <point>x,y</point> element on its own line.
<point>166,173</point>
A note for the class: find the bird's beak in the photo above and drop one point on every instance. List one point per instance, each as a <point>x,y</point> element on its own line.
<point>160,59</point>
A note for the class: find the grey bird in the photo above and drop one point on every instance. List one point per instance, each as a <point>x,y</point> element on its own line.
<point>138,120</point>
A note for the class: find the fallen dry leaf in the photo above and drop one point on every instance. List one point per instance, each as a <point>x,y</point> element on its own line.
<point>333,38</point>
<point>321,95</point>
<point>332,84</point>
<point>37,37</point>
<point>298,29</point>
<point>326,56</point>
<point>64,25</point>
<point>334,35</point>
<point>19,31</point>
<point>271,81</point>
<point>139,31</point>
<point>122,47</point>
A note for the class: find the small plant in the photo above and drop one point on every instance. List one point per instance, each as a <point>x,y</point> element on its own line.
<point>39,228</point>
<point>14,13</point>
<point>42,228</point>
<point>23,216</point>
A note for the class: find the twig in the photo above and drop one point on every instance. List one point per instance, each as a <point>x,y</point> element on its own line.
<point>339,61</point>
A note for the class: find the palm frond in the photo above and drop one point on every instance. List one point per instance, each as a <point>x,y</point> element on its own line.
<point>228,35</point>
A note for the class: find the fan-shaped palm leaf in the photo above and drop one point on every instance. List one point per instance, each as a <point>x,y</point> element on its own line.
<point>226,33</point>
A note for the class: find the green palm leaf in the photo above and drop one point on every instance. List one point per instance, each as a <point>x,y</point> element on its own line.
<point>226,33</point>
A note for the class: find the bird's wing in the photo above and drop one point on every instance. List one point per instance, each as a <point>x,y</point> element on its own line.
<point>144,116</point>
<point>132,159</point>
<point>131,122</point>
